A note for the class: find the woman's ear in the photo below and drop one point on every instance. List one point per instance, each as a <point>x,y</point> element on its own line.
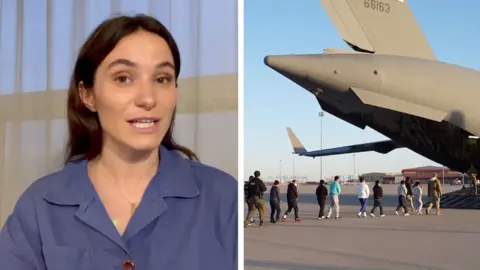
<point>87,97</point>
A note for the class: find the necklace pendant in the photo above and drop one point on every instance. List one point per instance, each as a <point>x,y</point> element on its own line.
<point>133,207</point>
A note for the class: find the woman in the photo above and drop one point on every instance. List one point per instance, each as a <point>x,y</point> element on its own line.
<point>417,198</point>
<point>126,197</point>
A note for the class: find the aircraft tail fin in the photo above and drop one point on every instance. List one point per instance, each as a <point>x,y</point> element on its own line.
<point>298,147</point>
<point>379,26</point>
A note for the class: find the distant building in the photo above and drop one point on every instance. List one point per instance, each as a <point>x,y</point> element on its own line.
<point>373,176</point>
<point>423,174</point>
<point>392,178</point>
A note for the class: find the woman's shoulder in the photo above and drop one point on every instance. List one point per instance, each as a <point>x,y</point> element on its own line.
<point>39,188</point>
<point>48,182</point>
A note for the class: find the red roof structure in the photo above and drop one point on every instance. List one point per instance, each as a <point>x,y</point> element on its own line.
<point>426,172</point>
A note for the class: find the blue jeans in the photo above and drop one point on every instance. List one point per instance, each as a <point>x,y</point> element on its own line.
<point>363,205</point>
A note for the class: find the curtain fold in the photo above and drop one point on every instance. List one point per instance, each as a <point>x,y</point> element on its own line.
<point>39,41</point>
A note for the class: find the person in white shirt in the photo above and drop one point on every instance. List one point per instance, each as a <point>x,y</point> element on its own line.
<point>402,199</point>
<point>363,192</point>
<point>417,198</point>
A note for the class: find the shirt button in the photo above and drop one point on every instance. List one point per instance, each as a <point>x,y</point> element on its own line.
<point>128,265</point>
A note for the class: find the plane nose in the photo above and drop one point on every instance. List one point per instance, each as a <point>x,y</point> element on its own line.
<point>288,65</point>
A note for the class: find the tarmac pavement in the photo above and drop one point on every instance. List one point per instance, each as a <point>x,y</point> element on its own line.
<point>449,241</point>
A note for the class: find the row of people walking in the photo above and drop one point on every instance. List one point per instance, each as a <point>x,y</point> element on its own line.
<point>254,190</point>
<point>409,196</point>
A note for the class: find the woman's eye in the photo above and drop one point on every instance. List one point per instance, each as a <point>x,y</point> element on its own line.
<point>164,80</point>
<point>122,79</point>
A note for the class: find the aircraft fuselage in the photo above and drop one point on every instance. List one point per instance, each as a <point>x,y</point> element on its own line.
<point>428,106</point>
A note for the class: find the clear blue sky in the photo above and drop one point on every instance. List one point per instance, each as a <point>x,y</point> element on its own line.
<point>273,102</point>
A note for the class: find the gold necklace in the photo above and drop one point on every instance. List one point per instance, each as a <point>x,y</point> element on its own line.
<point>133,205</point>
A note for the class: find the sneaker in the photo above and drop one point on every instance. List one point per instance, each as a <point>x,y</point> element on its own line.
<point>365,214</point>
<point>406,214</point>
<point>284,219</point>
<point>372,214</point>
<point>337,217</point>
<point>359,214</point>
<point>382,215</point>
<point>297,220</point>
<point>322,217</point>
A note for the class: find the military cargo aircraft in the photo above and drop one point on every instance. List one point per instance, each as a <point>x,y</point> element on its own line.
<point>393,83</point>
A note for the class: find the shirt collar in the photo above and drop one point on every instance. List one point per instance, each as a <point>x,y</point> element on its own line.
<point>175,178</point>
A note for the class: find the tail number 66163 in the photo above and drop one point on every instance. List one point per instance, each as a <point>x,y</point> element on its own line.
<point>377,5</point>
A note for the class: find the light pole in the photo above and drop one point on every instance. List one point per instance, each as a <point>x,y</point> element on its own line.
<point>293,161</point>
<point>353,166</point>
<point>321,114</point>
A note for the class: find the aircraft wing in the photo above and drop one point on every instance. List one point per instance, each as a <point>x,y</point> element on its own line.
<point>382,147</point>
<point>379,26</point>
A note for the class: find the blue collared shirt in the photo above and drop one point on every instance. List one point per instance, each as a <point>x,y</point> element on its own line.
<point>186,220</point>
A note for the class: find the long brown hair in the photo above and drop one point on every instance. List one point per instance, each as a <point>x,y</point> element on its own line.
<point>84,130</point>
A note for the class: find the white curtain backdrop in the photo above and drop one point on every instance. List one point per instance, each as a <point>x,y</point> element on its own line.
<point>39,40</point>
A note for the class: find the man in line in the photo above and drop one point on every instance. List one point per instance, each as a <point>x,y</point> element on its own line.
<point>245,192</point>
<point>275,202</point>
<point>408,185</point>
<point>402,199</point>
<point>335,190</point>
<point>292,201</point>
<point>322,193</point>
<point>434,193</point>
<point>377,199</point>
<point>417,198</point>
<point>255,190</point>
<point>474,183</point>
<point>363,192</point>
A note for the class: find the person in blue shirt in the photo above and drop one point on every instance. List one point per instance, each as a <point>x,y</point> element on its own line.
<point>128,197</point>
<point>335,190</point>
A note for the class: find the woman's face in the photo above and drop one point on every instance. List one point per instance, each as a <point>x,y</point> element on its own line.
<point>134,92</point>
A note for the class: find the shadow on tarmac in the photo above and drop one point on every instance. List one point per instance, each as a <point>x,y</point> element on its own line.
<point>402,229</point>
<point>295,266</point>
<point>346,199</point>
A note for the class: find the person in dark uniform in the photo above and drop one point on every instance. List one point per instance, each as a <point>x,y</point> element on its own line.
<point>245,192</point>
<point>275,202</point>
<point>408,185</point>
<point>292,201</point>
<point>322,194</point>
<point>255,190</point>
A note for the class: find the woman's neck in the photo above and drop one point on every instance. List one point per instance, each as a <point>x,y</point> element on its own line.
<point>126,166</point>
